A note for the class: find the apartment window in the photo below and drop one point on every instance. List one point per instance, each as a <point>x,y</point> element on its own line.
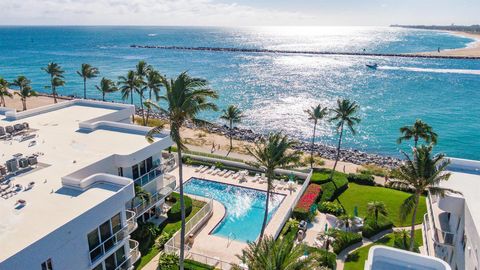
<point>458,224</point>
<point>149,163</point>
<point>135,172</point>
<point>47,265</point>
<point>110,262</point>
<point>98,267</point>
<point>120,171</point>
<point>100,239</point>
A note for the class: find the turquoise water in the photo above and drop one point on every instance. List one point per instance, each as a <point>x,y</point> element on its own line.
<point>275,89</point>
<point>245,207</point>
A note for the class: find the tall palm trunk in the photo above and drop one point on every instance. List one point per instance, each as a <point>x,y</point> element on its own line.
<point>337,157</point>
<point>24,103</point>
<point>84,88</point>
<point>2,103</point>
<point>313,144</point>
<point>54,93</point>
<point>416,141</point>
<point>103,96</point>
<point>264,224</point>
<point>182,208</point>
<point>143,112</point>
<point>414,216</point>
<point>231,135</point>
<point>134,111</point>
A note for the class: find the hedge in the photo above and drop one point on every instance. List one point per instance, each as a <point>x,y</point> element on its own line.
<point>303,209</point>
<point>370,228</point>
<point>329,193</point>
<point>194,265</point>
<point>361,179</point>
<point>344,240</point>
<point>333,208</point>
<point>324,257</point>
<point>175,214</point>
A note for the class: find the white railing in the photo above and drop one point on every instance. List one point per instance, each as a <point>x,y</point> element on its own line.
<point>131,221</point>
<point>148,176</point>
<point>133,256</point>
<point>173,244</point>
<point>294,203</point>
<point>441,237</point>
<point>215,262</point>
<point>108,244</point>
<point>170,184</point>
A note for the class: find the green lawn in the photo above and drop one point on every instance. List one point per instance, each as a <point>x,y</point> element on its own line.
<point>360,195</point>
<point>356,260</point>
<point>170,228</point>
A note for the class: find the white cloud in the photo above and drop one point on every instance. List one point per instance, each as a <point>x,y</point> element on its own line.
<point>144,12</point>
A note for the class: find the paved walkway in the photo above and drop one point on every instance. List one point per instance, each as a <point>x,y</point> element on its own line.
<point>365,242</point>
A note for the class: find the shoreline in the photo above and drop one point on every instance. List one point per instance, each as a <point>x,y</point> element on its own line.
<point>472,50</point>
<point>203,138</point>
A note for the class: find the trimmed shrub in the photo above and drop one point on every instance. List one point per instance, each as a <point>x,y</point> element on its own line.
<point>145,234</point>
<point>162,239</point>
<point>329,193</point>
<point>361,179</point>
<point>333,208</point>
<point>401,240</point>
<point>303,209</point>
<point>168,261</point>
<point>370,228</point>
<point>290,228</point>
<point>344,240</point>
<point>324,257</point>
<point>175,214</point>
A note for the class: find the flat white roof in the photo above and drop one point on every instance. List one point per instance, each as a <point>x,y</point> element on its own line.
<point>65,149</point>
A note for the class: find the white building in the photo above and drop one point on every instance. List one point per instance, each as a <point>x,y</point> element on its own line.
<point>451,225</point>
<point>71,210</point>
<point>383,257</point>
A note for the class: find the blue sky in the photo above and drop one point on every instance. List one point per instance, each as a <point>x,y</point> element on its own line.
<point>239,12</point>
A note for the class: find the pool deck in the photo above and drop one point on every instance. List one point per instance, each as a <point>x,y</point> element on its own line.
<point>219,247</point>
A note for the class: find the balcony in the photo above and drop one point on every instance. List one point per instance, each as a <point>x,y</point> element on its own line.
<point>149,176</point>
<point>438,223</point>
<point>170,184</point>
<point>132,257</point>
<point>118,237</point>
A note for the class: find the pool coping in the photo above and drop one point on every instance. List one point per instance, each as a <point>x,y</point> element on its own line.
<point>225,213</point>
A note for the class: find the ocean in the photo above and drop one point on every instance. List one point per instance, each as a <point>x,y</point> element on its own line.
<point>275,89</point>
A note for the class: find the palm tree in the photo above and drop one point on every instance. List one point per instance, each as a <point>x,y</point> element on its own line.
<point>57,82</point>
<point>129,85</point>
<point>346,219</point>
<point>420,173</point>
<point>272,153</point>
<point>4,91</point>
<point>106,86</point>
<point>376,208</point>
<point>55,71</point>
<point>154,81</point>
<point>419,130</point>
<point>344,114</point>
<point>87,72</point>
<point>186,98</point>
<point>25,90</point>
<point>141,70</point>
<point>315,114</point>
<point>141,194</point>
<point>281,254</point>
<point>232,115</point>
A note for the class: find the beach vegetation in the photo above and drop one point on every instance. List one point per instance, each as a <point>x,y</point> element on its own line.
<point>129,85</point>
<point>186,98</point>
<point>269,154</point>
<point>373,169</point>
<point>4,84</point>
<point>25,90</point>
<point>419,130</point>
<point>106,86</point>
<point>56,77</point>
<point>87,72</point>
<point>315,114</point>
<point>421,172</point>
<point>232,115</point>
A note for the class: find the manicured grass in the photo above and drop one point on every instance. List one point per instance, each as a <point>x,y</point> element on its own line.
<point>169,228</point>
<point>356,260</point>
<point>360,196</point>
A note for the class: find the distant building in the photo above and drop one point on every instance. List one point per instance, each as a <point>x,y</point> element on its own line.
<point>67,184</point>
<point>451,225</point>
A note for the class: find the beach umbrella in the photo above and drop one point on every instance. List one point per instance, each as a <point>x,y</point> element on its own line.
<point>355,211</point>
<point>291,177</point>
<point>326,226</point>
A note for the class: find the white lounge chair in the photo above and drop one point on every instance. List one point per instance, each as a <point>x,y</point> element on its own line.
<point>199,168</point>
<point>214,172</point>
<point>204,169</point>
<point>229,173</point>
<point>256,178</point>
<point>222,173</point>
<point>210,170</point>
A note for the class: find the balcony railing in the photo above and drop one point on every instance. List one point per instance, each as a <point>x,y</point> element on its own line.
<point>149,176</point>
<point>133,256</point>
<point>169,186</point>
<point>440,236</point>
<point>113,240</point>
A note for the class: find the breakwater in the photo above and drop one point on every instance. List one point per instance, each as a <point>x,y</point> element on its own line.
<point>219,49</point>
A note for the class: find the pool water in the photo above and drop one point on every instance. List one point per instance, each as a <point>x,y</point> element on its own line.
<point>245,207</point>
<point>392,264</point>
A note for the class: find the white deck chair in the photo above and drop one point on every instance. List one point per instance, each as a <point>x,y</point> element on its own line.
<point>229,173</point>
<point>222,173</point>
<point>210,170</point>
<point>198,169</point>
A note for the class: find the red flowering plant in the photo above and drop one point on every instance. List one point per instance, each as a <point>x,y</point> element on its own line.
<point>303,209</point>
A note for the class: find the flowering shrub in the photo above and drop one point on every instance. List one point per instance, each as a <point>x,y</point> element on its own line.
<point>303,209</point>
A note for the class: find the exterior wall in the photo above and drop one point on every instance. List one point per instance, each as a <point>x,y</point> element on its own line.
<point>68,245</point>
<point>472,246</point>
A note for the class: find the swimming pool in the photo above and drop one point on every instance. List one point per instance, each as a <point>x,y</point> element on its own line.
<point>244,207</point>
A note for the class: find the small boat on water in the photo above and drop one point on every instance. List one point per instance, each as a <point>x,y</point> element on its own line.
<point>372,66</point>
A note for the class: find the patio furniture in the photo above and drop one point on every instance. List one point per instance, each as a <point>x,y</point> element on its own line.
<point>199,168</point>
<point>302,225</point>
<point>10,130</point>
<point>3,133</point>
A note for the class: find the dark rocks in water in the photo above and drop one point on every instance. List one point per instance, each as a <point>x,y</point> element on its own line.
<point>354,156</point>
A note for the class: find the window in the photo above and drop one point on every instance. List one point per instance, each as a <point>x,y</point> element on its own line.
<point>120,171</point>
<point>120,255</point>
<point>47,265</point>
<point>100,239</point>
<point>135,172</point>
<point>98,267</point>
<point>116,223</point>
<point>110,262</point>
<point>149,162</point>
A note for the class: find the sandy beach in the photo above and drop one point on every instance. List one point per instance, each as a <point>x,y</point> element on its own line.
<point>473,50</point>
